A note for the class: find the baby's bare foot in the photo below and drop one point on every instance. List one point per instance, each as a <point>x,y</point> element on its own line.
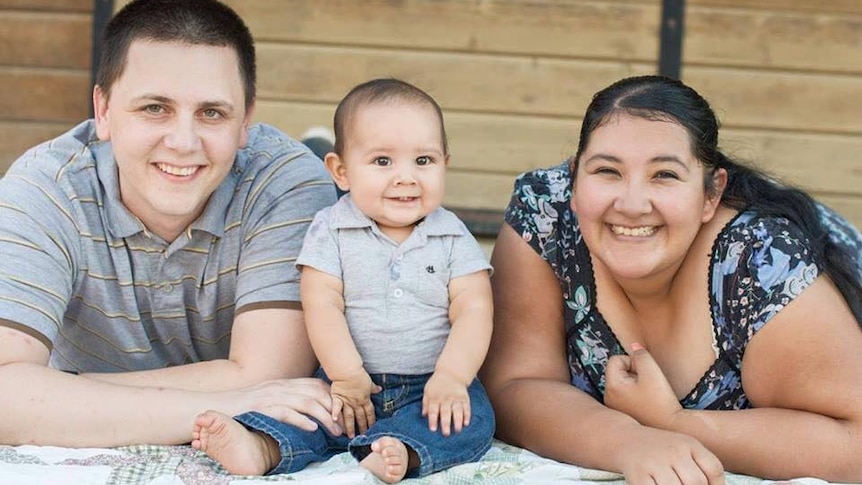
<point>388,460</point>
<point>238,450</point>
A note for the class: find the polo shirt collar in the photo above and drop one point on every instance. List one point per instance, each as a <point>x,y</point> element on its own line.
<point>122,223</point>
<point>440,222</point>
<point>119,221</point>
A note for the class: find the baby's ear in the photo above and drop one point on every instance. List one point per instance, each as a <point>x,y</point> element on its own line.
<point>337,170</point>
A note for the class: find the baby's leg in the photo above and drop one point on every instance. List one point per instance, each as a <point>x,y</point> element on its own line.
<point>238,450</point>
<point>389,459</point>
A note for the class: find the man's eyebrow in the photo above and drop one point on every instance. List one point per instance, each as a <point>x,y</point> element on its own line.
<point>226,105</point>
<point>152,97</point>
<point>217,104</point>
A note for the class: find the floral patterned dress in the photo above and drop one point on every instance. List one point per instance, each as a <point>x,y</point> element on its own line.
<point>759,265</point>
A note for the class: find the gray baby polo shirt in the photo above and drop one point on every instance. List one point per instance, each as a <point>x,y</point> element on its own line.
<point>396,295</point>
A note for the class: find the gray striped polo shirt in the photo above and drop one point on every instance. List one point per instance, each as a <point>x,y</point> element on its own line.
<point>396,296</point>
<point>79,272</point>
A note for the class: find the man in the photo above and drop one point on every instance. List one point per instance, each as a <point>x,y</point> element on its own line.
<point>149,253</point>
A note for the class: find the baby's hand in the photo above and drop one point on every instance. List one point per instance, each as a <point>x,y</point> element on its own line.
<point>351,402</point>
<point>446,400</point>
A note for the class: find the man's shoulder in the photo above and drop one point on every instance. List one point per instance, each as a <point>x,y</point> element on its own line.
<point>51,157</point>
<point>271,151</point>
<point>66,163</point>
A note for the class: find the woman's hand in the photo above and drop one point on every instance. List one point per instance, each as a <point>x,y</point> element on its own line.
<point>636,385</point>
<point>658,457</point>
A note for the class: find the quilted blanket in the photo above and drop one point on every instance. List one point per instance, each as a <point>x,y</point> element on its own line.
<point>181,465</point>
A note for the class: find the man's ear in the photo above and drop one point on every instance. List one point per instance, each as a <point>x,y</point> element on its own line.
<point>713,198</point>
<point>246,122</point>
<point>100,113</point>
<point>446,160</point>
<point>337,170</point>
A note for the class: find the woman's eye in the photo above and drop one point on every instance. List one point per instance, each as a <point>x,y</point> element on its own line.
<point>382,161</point>
<point>667,175</point>
<point>424,161</point>
<point>606,171</point>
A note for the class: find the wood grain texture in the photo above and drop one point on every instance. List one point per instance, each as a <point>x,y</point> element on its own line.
<point>818,39</point>
<point>48,5</point>
<point>557,87</point>
<point>45,39</point>
<point>44,95</point>
<point>571,28</point>
<point>510,145</point>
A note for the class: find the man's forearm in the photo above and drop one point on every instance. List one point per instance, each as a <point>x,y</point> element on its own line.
<point>48,407</point>
<point>213,375</point>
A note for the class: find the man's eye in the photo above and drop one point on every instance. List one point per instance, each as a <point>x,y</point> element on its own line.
<point>212,114</point>
<point>424,160</point>
<point>382,161</point>
<point>154,109</point>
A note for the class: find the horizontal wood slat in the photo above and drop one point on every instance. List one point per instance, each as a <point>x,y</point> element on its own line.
<point>44,95</point>
<point>830,6</point>
<point>49,5</point>
<point>45,39</point>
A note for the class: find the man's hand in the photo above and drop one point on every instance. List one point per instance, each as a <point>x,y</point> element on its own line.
<point>446,400</point>
<point>351,402</point>
<point>292,401</point>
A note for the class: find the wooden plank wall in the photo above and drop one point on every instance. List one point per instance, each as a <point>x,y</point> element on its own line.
<point>514,76</point>
<point>44,71</point>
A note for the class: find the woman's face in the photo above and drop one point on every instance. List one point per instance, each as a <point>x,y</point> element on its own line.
<point>639,196</point>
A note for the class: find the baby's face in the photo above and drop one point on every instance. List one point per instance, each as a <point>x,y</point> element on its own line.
<point>394,163</point>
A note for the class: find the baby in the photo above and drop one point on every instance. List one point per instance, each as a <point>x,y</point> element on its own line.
<point>397,304</point>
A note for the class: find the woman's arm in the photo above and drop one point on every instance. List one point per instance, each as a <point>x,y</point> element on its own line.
<point>527,378</point>
<point>803,373</point>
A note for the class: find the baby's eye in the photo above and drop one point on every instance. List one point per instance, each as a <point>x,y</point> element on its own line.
<point>382,161</point>
<point>424,160</point>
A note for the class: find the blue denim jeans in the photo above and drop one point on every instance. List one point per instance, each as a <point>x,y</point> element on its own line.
<point>398,410</point>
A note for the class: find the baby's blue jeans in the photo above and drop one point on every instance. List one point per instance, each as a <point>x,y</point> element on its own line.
<point>398,412</point>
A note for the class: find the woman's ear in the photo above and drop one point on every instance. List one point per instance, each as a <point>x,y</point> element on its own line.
<point>713,197</point>
<point>335,166</point>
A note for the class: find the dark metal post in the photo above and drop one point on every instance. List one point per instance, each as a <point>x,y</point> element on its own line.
<point>672,34</point>
<point>102,12</point>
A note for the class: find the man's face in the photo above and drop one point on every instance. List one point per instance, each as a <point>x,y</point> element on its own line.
<point>175,118</point>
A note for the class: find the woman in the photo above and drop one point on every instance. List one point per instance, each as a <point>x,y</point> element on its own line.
<point>633,286</point>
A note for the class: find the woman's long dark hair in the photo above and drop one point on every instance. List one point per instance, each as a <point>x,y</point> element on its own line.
<point>661,98</point>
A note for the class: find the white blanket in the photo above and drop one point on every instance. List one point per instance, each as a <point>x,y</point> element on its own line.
<point>181,465</point>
